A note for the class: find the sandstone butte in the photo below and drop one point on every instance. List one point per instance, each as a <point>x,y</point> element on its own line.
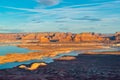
<point>117,36</point>
<point>58,37</point>
<point>62,37</point>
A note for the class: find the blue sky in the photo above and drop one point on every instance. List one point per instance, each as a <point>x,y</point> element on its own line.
<point>101,16</point>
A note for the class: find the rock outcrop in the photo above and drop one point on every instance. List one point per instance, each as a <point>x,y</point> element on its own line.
<point>87,37</point>
<point>84,67</point>
<point>63,37</point>
<point>30,36</point>
<point>43,37</point>
<point>33,66</point>
<point>67,58</point>
<point>117,36</point>
<point>11,37</point>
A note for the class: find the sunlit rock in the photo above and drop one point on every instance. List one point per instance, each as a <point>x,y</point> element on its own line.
<point>34,66</point>
<point>67,58</point>
<point>44,39</point>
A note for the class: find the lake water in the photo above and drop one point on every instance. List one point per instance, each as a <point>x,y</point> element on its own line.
<point>14,64</point>
<point>12,49</point>
<point>106,49</point>
<point>45,59</point>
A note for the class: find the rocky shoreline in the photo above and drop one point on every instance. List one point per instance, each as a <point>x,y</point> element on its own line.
<point>84,67</point>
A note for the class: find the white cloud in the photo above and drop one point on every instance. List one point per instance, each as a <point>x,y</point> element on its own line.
<point>48,2</point>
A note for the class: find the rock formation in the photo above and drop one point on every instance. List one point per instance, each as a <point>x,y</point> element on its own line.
<point>10,37</point>
<point>44,39</point>
<point>63,37</point>
<point>117,36</point>
<point>77,38</point>
<point>33,66</point>
<point>87,37</point>
<point>59,37</point>
<point>30,36</point>
<point>67,58</point>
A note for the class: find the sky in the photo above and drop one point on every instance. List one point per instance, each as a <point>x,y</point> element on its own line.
<point>100,16</point>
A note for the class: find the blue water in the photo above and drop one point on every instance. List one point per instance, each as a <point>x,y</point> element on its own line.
<point>12,49</point>
<point>14,64</point>
<point>105,50</point>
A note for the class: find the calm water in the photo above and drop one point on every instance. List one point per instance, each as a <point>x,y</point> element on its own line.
<point>14,64</point>
<point>12,49</point>
<point>106,49</point>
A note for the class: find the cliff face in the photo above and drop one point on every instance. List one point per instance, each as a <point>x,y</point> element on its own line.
<point>88,37</point>
<point>30,36</point>
<point>58,37</point>
<point>10,36</point>
<point>117,36</point>
<point>63,37</point>
<point>44,39</point>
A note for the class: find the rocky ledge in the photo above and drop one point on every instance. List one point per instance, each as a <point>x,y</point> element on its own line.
<point>84,67</point>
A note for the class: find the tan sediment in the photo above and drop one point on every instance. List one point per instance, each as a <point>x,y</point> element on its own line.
<point>34,66</point>
<point>30,56</point>
<point>66,58</point>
